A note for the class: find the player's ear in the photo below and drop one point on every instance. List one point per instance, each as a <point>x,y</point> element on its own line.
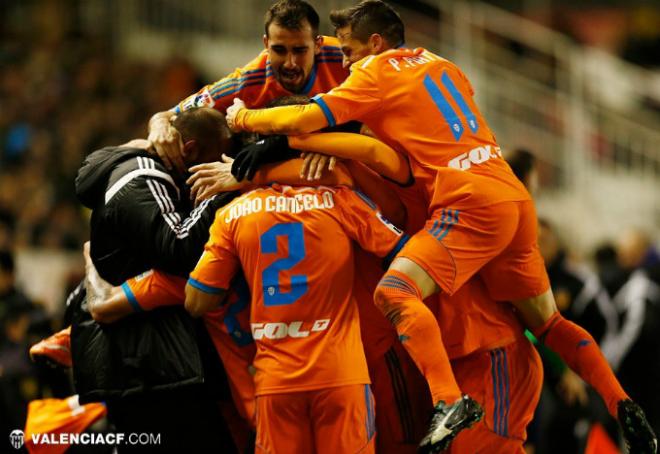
<point>265,38</point>
<point>189,149</point>
<point>318,43</point>
<point>376,44</point>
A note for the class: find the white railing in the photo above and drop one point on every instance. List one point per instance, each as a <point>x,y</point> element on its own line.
<point>581,111</point>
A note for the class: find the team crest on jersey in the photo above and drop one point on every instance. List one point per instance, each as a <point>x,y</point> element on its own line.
<point>389,225</point>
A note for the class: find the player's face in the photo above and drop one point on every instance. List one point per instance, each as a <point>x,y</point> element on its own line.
<point>291,54</point>
<point>353,49</point>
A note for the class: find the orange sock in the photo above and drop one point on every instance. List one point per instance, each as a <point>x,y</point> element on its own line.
<point>399,299</point>
<point>581,353</point>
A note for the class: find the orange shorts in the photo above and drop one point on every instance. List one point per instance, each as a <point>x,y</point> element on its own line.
<point>499,242</point>
<point>330,420</point>
<point>403,402</point>
<point>507,382</point>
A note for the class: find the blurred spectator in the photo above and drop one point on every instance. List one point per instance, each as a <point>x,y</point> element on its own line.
<point>626,271</point>
<point>582,299</point>
<point>63,94</point>
<point>17,382</point>
<point>523,164</point>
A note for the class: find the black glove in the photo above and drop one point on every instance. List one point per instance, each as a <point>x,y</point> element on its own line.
<point>267,150</point>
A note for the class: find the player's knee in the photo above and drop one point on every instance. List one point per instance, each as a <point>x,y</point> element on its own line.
<point>392,294</point>
<point>386,301</point>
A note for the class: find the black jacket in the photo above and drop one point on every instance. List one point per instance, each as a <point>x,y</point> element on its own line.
<point>142,217</point>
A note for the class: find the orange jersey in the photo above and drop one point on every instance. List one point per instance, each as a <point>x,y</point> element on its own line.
<point>421,105</point>
<point>228,327</point>
<point>53,417</point>
<point>470,320</point>
<point>256,85</point>
<point>294,245</point>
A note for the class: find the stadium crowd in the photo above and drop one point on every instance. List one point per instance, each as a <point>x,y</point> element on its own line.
<point>64,95</point>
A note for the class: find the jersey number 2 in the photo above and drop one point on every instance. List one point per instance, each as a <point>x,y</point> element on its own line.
<point>273,295</point>
<point>446,109</point>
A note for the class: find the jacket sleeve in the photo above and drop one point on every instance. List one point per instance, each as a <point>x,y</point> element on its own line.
<point>156,222</point>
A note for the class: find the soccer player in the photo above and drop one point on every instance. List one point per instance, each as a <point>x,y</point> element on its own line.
<point>297,60</point>
<point>481,219</point>
<point>489,354</point>
<point>295,248</point>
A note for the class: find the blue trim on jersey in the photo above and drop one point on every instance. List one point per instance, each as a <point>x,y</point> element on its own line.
<point>131,297</point>
<point>310,82</point>
<point>397,248</point>
<point>326,110</point>
<point>234,82</point>
<point>500,391</point>
<point>506,395</point>
<point>447,221</point>
<point>436,229</point>
<point>370,423</point>
<point>252,71</point>
<point>239,88</point>
<point>332,53</point>
<point>331,60</point>
<point>452,221</point>
<point>460,101</point>
<point>238,335</point>
<point>366,199</point>
<point>204,288</point>
<point>397,282</point>
<point>445,108</point>
<point>493,373</point>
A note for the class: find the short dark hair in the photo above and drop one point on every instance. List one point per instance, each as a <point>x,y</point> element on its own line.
<point>205,125</point>
<point>522,162</point>
<point>290,14</point>
<point>369,17</point>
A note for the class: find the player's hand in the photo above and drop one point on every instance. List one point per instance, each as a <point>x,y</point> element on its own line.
<point>167,144</point>
<point>314,164</point>
<point>212,178</point>
<point>267,150</point>
<point>232,112</point>
<point>572,389</point>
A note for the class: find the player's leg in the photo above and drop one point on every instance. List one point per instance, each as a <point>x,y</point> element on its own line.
<point>450,249</point>
<point>527,287</point>
<point>283,424</point>
<point>343,420</point>
<point>400,296</point>
<point>581,353</point>
<point>508,381</point>
<point>403,402</point>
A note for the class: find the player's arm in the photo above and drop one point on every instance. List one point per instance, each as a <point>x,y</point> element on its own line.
<point>106,303</point>
<point>297,119</point>
<point>372,152</point>
<point>215,177</point>
<point>208,282</point>
<point>354,99</point>
<point>368,227</point>
<point>379,192</point>
<point>166,140</point>
<point>198,301</point>
<point>219,95</point>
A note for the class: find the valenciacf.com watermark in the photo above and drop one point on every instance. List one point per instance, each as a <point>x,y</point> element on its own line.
<point>17,438</point>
